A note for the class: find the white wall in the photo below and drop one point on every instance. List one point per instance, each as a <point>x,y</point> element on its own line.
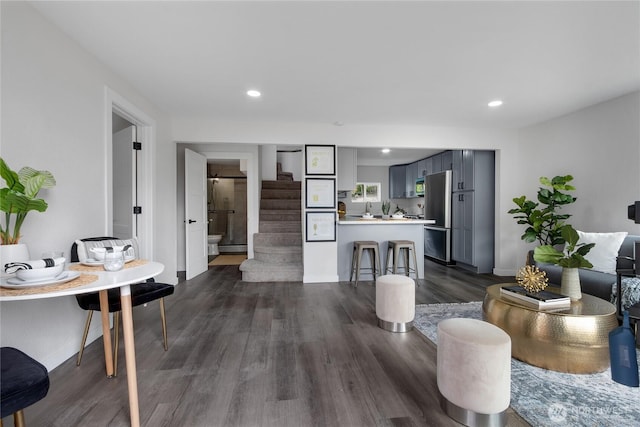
<point>600,147</point>
<point>53,118</point>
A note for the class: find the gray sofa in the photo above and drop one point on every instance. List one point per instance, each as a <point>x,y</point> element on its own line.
<point>593,282</point>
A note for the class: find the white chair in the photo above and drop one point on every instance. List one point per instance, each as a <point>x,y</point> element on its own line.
<point>395,302</point>
<point>474,371</point>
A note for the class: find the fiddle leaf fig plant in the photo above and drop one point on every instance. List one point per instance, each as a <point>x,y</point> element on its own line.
<point>19,197</point>
<point>544,222</point>
<point>572,255</point>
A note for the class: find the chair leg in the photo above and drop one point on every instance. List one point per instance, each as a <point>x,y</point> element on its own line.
<point>84,337</point>
<point>116,334</point>
<point>164,324</point>
<point>18,418</point>
<point>415,264</point>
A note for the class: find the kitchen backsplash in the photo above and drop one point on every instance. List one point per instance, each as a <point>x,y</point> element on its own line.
<point>409,205</point>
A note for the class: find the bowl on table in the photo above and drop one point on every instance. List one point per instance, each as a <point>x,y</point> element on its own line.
<point>397,216</point>
<point>98,254</point>
<point>34,274</point>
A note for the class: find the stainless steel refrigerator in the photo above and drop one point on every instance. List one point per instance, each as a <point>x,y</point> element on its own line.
<point>437,206</point>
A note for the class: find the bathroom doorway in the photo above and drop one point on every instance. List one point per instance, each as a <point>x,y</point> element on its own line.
<point>227,205</point>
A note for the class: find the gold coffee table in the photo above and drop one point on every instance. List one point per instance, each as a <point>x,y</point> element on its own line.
<point>575,340</point>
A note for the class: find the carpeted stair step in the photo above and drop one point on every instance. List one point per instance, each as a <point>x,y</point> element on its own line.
<point>280,215</point>
<point>254,270</point>
<point>278,254</point>
<point>282,185</point>
<point>280,226</point>
<point>278,239</point>
<point>279,193</point>
<point>280,204</point>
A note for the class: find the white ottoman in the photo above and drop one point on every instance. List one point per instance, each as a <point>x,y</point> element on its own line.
<point>395,302</point>
<point>474,371</point>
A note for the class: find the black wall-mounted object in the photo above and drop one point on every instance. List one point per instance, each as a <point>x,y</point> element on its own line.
<point>633,212</point>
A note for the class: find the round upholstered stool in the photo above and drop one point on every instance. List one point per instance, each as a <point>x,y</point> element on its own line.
<point>395,302</point>
<point>23,382</point>
<point>371,247</point>
<point>474,371</point>
<point>394,249</point>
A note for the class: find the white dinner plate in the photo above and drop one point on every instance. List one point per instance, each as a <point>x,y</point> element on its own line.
<point>65,276</point>
<point>94,262</point>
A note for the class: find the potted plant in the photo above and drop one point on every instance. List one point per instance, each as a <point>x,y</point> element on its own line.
<point>542,219</point>
<point>570,258</point>
<point>17,199</point>
<point>385,209</point>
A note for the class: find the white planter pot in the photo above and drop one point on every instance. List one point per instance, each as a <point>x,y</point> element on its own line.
<point>13,253</point>
<point>570,284</point>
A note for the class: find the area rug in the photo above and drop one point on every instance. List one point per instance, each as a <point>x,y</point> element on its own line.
<point>549,398</point>
<point>228,259</point>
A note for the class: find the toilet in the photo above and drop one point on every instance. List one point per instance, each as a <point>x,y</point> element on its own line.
<point>212,244</point>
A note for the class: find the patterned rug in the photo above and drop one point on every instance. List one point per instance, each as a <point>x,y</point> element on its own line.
<point>549,398</point>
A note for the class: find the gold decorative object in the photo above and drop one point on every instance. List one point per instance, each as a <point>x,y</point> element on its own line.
<point>574,340</point>
<point>532,279</point>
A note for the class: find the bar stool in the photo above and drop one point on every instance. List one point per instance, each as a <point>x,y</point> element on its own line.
<point>394,249</point>
<point>371,247</point>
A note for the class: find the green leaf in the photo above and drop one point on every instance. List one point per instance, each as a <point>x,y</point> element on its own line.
<point>547,253</point>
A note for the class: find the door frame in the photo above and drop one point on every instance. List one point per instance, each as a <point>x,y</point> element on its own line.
<point>146,133</point>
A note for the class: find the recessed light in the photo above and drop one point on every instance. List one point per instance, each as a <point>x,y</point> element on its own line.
<point>338,123</point>
<point>386,150</point>
<point>254,93</point>
<point>495,103</point>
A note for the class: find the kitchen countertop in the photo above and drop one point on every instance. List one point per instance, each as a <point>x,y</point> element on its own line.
<point>380,221</point>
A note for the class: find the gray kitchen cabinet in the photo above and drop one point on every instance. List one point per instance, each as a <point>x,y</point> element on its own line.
<point>422,168</point>
<point>397,181</point>
<point>410,179</point>
<point>463,169</point>
<point>446,160</point>
<point>462,227</point>
<point>347,169</point>
<point>436,163</point>
<point>473,211</point>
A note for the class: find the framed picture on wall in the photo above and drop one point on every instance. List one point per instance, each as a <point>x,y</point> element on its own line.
<point>320,192</point>
<point>321,227</point>
<point>320,159</point>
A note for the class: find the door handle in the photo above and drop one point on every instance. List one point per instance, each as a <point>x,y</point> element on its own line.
<point>191,221</point>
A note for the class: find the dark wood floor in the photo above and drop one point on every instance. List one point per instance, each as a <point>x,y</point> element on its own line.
<point>266,354</point>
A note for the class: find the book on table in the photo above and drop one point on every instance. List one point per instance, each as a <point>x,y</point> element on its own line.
<point>542,300</point>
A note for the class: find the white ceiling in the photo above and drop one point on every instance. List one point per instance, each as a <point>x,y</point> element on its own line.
<point>382,62</point>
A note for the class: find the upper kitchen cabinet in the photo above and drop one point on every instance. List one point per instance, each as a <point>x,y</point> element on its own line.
<point>422,168</point>
<point>397,181</point>
<point>410,179</point>
<point>347,168</point>
<point>446,160</point>
<point>463,169</point>
<point>471,167</point>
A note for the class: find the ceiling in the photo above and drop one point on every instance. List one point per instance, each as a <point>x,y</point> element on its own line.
<point>395,63</point>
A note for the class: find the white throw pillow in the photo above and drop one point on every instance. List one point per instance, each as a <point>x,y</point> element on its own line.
<point>603,255</point>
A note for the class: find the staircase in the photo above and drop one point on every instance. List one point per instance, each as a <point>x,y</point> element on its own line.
<point>277,248</point>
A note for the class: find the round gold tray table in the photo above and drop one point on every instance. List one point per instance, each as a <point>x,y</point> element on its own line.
<point>575,340</point>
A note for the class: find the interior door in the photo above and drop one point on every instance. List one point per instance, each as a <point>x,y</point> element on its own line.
<point>195,183</point>
<point>124,183</point>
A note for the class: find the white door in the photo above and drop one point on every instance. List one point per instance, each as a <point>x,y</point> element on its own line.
<point>195,190</point>
<point>124,182</point>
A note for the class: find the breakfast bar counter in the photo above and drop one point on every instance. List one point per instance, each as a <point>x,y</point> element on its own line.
<point>381,230</point>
